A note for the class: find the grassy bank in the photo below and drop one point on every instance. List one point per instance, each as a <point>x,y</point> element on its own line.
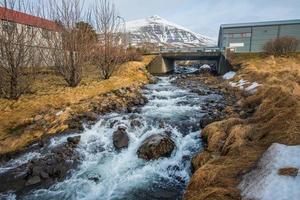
<point>50,94</point>
<point>235,144</point>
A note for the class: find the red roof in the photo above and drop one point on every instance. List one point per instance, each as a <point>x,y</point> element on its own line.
<point>26,19</point>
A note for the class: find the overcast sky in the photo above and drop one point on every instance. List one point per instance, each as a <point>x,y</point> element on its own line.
<point>205,16</point>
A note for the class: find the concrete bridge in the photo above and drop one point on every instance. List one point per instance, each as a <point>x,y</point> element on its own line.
<point>165,62</point>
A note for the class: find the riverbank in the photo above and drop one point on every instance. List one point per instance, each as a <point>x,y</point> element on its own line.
<point>52,107</point>
<point>111,159</point>
<point>267,111</point>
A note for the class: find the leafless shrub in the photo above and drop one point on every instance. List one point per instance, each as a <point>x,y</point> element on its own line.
<point>109,51</point>
<point>281,46</point>
<point>70,47</point>
<point>19,57</point>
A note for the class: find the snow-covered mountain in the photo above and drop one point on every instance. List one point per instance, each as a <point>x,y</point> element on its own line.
<point>159,31</point>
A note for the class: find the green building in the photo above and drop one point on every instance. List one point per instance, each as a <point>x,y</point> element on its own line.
<point>251,37</point>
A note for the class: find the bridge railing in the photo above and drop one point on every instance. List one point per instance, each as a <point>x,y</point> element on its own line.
<point>190,49</point>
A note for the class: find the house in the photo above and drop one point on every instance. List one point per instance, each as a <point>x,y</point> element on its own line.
<point>22,29</point>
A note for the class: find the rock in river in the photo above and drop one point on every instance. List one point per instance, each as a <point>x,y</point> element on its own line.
<point>120,138</point>
<point>155,147</point>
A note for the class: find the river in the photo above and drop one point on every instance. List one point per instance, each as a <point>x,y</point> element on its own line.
<point>108,174</point>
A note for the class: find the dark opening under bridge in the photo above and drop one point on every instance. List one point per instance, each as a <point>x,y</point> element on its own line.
<point>165,61</point>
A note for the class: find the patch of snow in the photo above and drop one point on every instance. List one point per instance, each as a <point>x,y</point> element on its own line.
<point>229,75</point>
<point>239,84</point>
<point>245,85</point>
<point>252,87</point>
<point>264,183</point>
<point>205,66</point>
<point>59,113</point>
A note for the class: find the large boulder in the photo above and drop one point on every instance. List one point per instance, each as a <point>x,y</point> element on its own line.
<point>155,147</point>
<point>120,138</point>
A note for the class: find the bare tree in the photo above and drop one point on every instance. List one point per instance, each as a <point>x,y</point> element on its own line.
<point>71,47</point>
<point>109,52</point>
<point>18,56</point>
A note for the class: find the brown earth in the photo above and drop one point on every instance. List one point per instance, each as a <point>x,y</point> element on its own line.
<point>235,144</point>
<point>51,104</point>
<point>289,171</point>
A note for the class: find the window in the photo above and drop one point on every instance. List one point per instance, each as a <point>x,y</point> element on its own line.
<point>45,33</point>
<point>237,35</point>
<point>29,29</point>
<point>8,26</point>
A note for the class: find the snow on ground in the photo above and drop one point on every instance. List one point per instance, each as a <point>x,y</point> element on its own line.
<point>205,66</point>
<point>252,87</point>
<point>245,85</point>
<point>240,84</point>
<point>229,75</point>
<point>264,183</point>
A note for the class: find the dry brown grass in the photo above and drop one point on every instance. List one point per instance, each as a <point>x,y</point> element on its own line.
<point>51,92</point>
<point>241,142</point>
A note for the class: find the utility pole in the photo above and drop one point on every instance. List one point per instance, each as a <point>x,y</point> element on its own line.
<point>124,26</point>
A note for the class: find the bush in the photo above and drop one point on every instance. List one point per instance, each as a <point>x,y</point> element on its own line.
<point>281,46</point>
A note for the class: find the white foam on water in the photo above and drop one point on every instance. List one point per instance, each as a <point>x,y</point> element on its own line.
<point>8,196</point>
<point>18,162</point>
<point>122,173</point>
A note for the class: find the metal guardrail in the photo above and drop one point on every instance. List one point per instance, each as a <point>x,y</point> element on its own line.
<point>191,49</point>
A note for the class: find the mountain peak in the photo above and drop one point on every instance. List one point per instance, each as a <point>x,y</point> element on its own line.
<point>162,32</point>
<point>155,18</point>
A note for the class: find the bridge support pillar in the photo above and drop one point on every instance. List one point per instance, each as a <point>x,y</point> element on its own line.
<point>161,65</point>
<point>223,65</point>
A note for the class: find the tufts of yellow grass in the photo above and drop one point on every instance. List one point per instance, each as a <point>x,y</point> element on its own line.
<point>235,145</point>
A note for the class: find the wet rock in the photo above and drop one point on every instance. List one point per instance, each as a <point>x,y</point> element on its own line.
<point>155,147</point>
<point>135,123</point>
<point>120,138</point>
<point>129,109</point>
<point>74,140</point>
<point>199,92</point>
<point>75,124</point>
<point>96,179</point>
<point>44,175</point>
<point>33,181</point>
<point>207,119</point>
<point>42,172</point>
<point>168,132</point>
<point>90,116</point>
<point>161,123</point>
<point>137,110</point>
<point>112,124</point>
<point>43,141</point>
<point>186,158</point>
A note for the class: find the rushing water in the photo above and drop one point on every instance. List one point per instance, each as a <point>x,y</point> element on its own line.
<point>121,175</point>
